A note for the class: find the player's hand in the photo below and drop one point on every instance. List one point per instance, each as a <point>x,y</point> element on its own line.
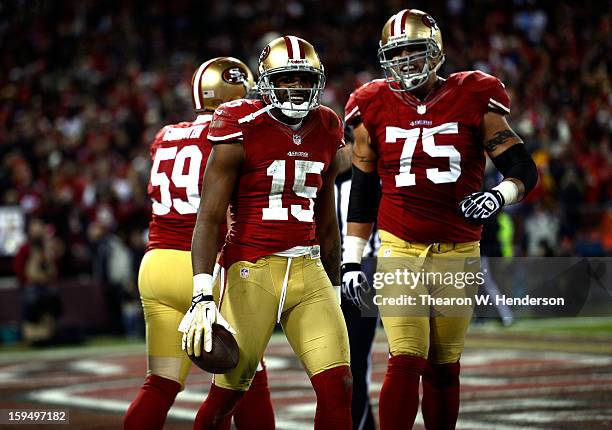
<point>199,319</point>
<point>354,283</point>
<point>481,206</point>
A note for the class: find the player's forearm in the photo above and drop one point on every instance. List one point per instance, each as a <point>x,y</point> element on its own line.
<point>359,229</point>
<point>329,239</point>
<point>204,245</point>
<point>520,173</point>
<point>328,232</point>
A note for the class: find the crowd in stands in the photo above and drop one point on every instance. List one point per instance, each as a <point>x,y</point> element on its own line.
<point>85,85</point>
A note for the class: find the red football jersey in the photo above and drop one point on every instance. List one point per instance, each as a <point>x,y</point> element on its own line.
<point>430,154</point>
<point>179,153</point>
<point>272,205</point>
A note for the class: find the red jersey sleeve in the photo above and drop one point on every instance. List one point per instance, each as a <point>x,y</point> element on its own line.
<point>339,131</point>
<point>491,94</point>
<point>359,102</point>
<point>225,126</point>
<point>352,114</point>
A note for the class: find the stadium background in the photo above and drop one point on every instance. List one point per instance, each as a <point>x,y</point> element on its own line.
<point>85,85</point>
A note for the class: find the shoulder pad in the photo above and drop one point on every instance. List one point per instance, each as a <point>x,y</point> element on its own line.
<point>330,118</point>
<point>370,89</point>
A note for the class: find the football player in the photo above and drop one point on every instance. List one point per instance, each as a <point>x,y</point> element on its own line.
<point>274,162</point>
<point>179,154</point>
<point>421,140</point>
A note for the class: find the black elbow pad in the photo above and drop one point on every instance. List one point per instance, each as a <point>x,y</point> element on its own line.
<point>515,162</point>
<point>365,196</point>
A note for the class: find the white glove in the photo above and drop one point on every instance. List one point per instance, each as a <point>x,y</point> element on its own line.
<point>200,317</point>
<point>480,207</point>
<point>354,283</point>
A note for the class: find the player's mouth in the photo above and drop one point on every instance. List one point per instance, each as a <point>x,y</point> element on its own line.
<point>297,98</point>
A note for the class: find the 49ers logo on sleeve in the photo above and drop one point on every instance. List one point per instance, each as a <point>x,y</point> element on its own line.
<point>234,75</point>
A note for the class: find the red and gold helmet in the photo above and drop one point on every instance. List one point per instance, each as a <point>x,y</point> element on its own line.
<point>290,54</point>
<point>219,80</point>
<point>417,32</point>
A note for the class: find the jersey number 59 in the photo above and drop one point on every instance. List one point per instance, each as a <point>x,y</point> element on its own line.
<point>189,181</point>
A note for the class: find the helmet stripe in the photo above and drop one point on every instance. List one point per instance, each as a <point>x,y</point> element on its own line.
<point>399,23</point>
<point>289,46</point>
<point>403,24</point>
<point>302,50</point>
<point>296,52</point>
<point>197,84</point>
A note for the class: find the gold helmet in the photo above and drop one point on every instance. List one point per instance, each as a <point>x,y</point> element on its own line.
<point>417,32</point>
<point>290,54</point>
<point>219,80</point>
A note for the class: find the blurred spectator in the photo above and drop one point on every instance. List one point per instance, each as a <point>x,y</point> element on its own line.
<point>36,269</point>
<point>542,229</point>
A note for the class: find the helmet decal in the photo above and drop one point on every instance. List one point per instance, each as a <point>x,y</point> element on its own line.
<point>220,80</point>
<point>234,75</point>
<point>429,21</point>
<point>264,54</point>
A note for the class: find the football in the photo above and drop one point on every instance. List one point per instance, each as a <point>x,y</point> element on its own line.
<point>224,354</point>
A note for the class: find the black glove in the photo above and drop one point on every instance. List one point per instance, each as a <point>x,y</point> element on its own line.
<point>481,206</point>
<point>354,283</point>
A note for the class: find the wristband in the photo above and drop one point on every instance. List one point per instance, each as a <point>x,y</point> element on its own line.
<point>353,249</point>
<point>202,284</point>
<point>337,290</point>
<point>509,191</point>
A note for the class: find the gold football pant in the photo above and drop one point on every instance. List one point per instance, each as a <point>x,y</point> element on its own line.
<point>310,315</point>
<point>426,330</point>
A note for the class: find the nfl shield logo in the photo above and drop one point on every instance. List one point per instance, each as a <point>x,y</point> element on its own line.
<point>244,272</point>
<point>297,139</point>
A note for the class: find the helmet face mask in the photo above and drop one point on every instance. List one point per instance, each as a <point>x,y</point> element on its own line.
<point>410,50</point>
<point>408,72</point>
<point>293,85</point>
<point>293,101</point>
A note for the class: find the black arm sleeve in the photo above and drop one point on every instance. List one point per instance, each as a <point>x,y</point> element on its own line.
<point>515,162</point>
<point>365,196</point>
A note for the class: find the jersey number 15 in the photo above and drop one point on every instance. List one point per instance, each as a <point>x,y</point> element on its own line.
<point>275,209</point>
